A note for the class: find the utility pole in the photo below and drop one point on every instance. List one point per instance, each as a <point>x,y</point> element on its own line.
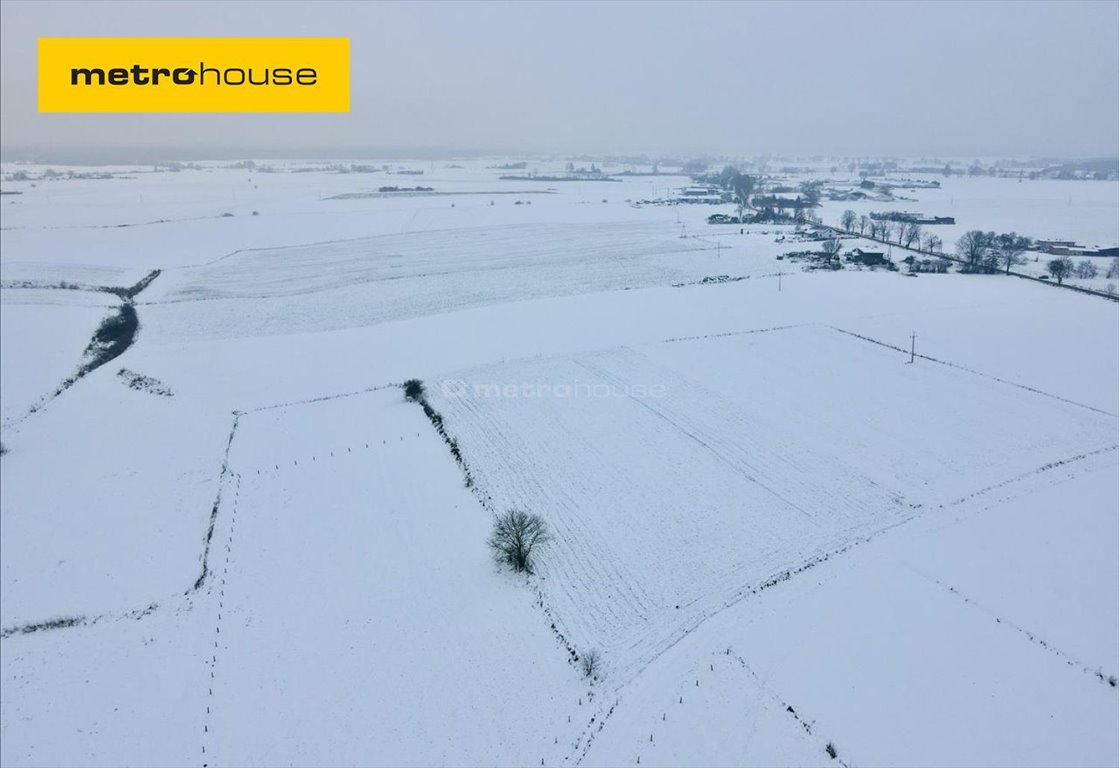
<point>718,249</point>
<point>779,281</point>
<point>912,347</point>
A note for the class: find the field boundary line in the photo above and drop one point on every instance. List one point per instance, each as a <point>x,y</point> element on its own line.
<point>964,368</point>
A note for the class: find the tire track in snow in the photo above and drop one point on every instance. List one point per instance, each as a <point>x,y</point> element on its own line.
<point>806,725</point>
<point>212,662</point>
<point>733,448</point>
<point>1070,660</point>
<point>321,398</point>
<point>736,333</point>
<point>661,413</point>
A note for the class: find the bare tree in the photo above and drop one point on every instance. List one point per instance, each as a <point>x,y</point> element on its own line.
<point>1060,268</point>
<point>864,223</point>
<point>930,242</point>
<point>1010,247</point>
<point>591,663</point>
<point>1113,269</point>
<point>830,249</point>
<point>848,219</point>
<point>892,229</point>
<point>516,535</point>
<point>1086,270</point>
<point>910,232</point>
<point>743,186</point>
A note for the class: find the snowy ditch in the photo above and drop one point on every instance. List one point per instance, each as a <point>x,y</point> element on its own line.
<point>113,337</point>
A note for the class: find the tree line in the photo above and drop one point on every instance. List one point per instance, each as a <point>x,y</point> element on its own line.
<point>977,251</point>
<point>907,234</point>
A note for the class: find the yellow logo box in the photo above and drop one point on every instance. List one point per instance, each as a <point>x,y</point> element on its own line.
<point>194,74</point>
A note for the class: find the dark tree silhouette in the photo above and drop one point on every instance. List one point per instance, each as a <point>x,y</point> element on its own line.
<point>1010,246</point>
<point>1060,268</point>
<point>414,390</point>
<point>590,662</point>
<point>830,249</point>
<point>975,250</point>
<point>516,536</point>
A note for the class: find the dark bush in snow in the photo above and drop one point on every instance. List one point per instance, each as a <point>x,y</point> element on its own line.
<point>414,390</point>
<point>117,329</point>
<point>112,338</point>
<point>516,536</point>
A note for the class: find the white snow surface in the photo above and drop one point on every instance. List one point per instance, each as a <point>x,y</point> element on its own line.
<point>778,533</point>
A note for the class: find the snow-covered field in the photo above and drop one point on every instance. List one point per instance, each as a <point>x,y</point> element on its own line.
<point>43,334</point>
<point>236,543</point>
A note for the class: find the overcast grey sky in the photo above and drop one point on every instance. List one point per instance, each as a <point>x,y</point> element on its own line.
<point>937,79</point>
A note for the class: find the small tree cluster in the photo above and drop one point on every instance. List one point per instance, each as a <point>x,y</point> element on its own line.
<point>931,242</point>
<point>1086,270</point>
<point>515,538</point>
<point>880,229</point>
<point>974,250</point>
<point>740,185</point>
<point>936,266</point>
<point>987,252</point>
